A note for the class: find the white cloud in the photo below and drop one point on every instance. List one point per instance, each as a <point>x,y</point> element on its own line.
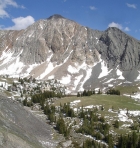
<point>21,23</point>
<point>3,13</point>
<point>126,29</point>
<point>22,6</point>
<point>4,4</point>
<point>92,8</point>
<point>113,24</point>
<point>131,6</point>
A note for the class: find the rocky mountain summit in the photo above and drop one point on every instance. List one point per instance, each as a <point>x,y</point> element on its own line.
<point>81,58</point>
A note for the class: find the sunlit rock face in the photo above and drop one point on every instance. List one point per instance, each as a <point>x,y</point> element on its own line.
<point>81,58</point>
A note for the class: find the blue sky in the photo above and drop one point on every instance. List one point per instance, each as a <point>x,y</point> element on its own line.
<point>96,14</point>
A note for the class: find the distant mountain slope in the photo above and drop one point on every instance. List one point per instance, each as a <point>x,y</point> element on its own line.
<point>76,55</point>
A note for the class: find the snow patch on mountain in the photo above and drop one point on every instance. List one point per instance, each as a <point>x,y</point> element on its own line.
<point>138,78</point>
<point>66,80</point>
<point>97,89</point>
<point>77,81</point>
<point>67,57</point>
<point>119,73</point>
<point>110,85</point>
<point>72,69</point>
<point>112,79</point>
<point>49,57</point>
<point>49,68</point>
<point>31,67</point>
<point>11,63</point>
<point>6,57</point>
<point>104,69</point>
<point>14,69</point>
<point>88,75</point>
<point>51,77</point>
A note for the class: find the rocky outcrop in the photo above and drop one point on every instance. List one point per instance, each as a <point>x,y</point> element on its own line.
<point>20,128</point>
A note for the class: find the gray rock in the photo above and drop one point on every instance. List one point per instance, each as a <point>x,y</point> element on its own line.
<point>66,144</point>
<point>20,128</point>
<point>117,48</point>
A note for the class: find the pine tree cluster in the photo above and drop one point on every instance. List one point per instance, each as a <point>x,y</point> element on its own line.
<point>129,141</point>
<point>94,126</point>
<point>113,92</point>
<point>85,93</point>
<point>65,109</point>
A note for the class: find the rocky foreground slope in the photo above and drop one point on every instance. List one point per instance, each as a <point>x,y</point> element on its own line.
<point>20,128</point>
<point>76,55</point>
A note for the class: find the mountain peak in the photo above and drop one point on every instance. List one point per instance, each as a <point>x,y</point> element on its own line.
<point>113,29</point>
<point>55,16</point>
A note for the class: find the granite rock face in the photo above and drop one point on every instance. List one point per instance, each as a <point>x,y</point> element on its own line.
<point>119,48</point>
<point>55,34</point>
<point>60,48</point>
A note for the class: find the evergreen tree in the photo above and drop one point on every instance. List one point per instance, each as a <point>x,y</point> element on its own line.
<point>84,93</point>
<point>21,81</point>
<point>102,119</point>
<point>116,124</point>
<point>78,94</point>
<point>130,141</point>
<point>34,80</point>
<point>99,91</point>
<point>102,108</point>
<point>93,92</point>
<point>25,102</point>
<point>60,126</point>
<point>109,140</point>
<point>21,94</point>
<point>89,93</point>
<point>51,117</point>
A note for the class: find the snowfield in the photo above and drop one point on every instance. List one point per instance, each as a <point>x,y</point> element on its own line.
<point>135,96</point>
<point>49,68</point>
<point>104,69</point>
<point>66,80</point>
<point>72,69</point>
<point>74,103</point>
<point>124,115</point>
<point>77,81</point>
<point>119,73</point>
<point>92,106</point>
